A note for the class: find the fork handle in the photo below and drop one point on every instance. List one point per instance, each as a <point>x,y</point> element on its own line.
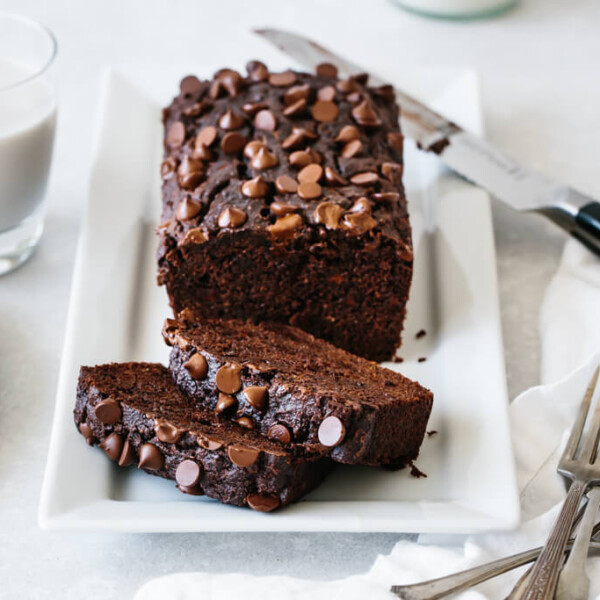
<point>574,583</point>
<point>541,584</point>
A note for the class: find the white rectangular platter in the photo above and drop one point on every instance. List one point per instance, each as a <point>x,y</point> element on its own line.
<point>116,313</point>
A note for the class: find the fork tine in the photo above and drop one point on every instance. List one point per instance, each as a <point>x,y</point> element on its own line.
<point>577,430</point>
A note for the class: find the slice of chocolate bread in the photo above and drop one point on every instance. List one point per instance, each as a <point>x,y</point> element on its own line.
<point>137,415</point>
<point>283,202</point>
<point>298,390</point>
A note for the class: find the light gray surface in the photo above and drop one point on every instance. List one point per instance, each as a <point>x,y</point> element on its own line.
<point>541,103</point>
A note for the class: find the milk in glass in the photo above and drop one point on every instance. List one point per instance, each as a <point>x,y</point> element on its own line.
<point>27,121</point>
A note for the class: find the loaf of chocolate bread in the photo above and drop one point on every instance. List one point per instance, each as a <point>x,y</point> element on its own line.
<point>138,417</point>
<point>298,390</point>
<point>283,202</point>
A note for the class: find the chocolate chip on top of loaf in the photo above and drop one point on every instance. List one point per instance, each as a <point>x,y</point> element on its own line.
<point>135,413</point>
<point>283,201</point>
<point>297,390</point>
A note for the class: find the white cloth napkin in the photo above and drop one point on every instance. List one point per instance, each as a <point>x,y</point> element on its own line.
<point>540,418</point>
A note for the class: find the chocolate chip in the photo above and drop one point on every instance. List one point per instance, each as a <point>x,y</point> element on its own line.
<point>298,92</point>
<point>284,79</point>
<point>86,432</point>
<point>176,134</point>
<point>388,169</point>
<point>255,188</point>
<point>112,445</point>
<point>207,135</point>
<point>150,458</point>
<point>354,98</point>
<point>280,433</point>
<point>232,142</point>
<point>309,190</point>
<point>366,178</point>
<point>216,89</point>
<point>232,217</point>
<point>245,422</point>
<point>257,71</point>
<point>281,209</point>
<point>333,178</point>
<point>188,473</point>
<point>285,227</point>
<point>195,236</point>
<point>300,158</point>
<point>242,457</point>
<point>361,78</point>
<point>207,443</point>
<point>251,108</point>
<point>396,141</point>
<point>197,366</point>
<point>167,167</point>
<point>361,205</point>
<point>331,431</point>
<point>263,502</point>
<point>191,173</point>
<point>359,222</point>
<point>351,149</point>
<point>251,148</point>
<point>231,80</point>
<point>224,402</point>
<point>127,456</point>
<point>327,70</point>
<point>108,411</point>
<point>296,109</point>
<point>230,120</point>
<point>265,119</point>
<point>286,185</point>
<point>201,152</point>
<point>263,159</point>
<point>187,209</point>
<point>310,173</point>
<point>386,197</point>
<point>329,214</point>
<point>326,93</point>
<point>192,491</point>
<point>256,395</point>
<point>364,114</point>
<point>228,378</point>
<point>167,432</point>
<point>325,111</point>
<point>190,85</point>
<point>347,86</point>
<point>385,91</point>
<point>197,109</point>
<point>293,140</point>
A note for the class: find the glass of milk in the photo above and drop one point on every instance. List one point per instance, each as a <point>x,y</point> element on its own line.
<point>457,9</point>
<point>27,120</point>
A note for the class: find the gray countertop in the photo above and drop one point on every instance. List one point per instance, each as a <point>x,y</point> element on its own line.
<point>540,103</point>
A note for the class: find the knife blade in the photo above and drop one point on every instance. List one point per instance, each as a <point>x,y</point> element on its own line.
<point>468,155</point>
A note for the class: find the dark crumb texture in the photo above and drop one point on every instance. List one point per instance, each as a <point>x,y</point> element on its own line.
<point>283,202</point>
<point>304,392</point>
<point>138,417</point>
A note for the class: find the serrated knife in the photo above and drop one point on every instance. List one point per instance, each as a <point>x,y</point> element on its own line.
<point>473,158</point>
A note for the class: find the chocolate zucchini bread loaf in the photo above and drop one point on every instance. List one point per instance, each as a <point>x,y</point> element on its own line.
<point>137,416</point>
<point>300,391</point>
<point>283,202</point>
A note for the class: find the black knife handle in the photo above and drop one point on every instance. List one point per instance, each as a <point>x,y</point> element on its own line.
<point>587,226</point>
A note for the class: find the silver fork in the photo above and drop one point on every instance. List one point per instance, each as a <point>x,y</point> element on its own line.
<point>580,464</point>
<point>451,584</point>
<point>434,589</point>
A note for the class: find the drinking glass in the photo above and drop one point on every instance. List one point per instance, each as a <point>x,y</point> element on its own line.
<point>27,123</point>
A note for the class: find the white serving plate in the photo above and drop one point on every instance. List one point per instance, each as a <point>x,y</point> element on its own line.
<point>116,313</point>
